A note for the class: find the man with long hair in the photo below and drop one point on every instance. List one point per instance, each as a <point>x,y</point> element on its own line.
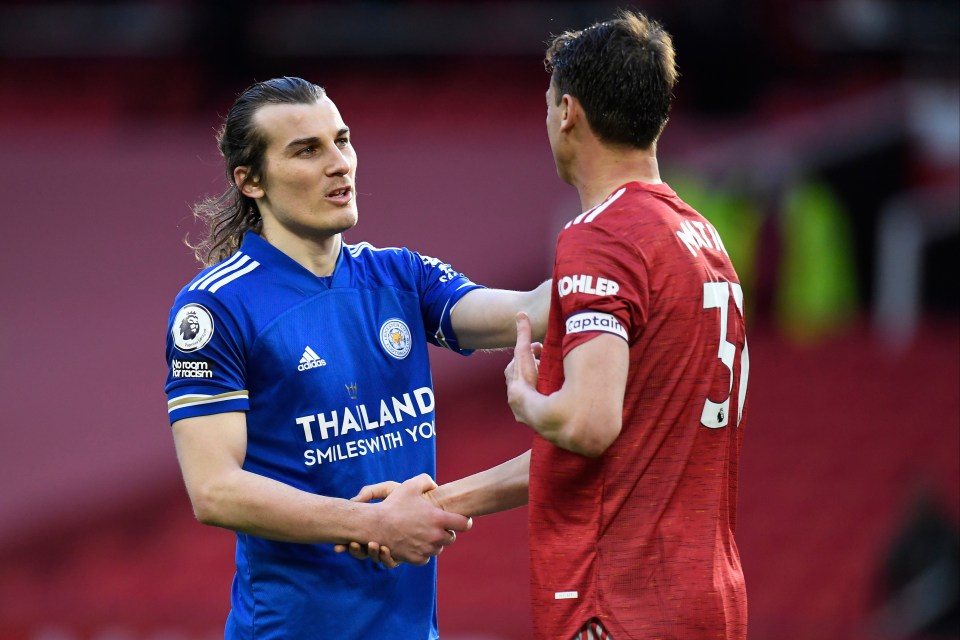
<point>307,377</point>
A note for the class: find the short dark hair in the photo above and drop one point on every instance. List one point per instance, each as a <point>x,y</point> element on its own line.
<point>229,216</point>
<point>622,71</point>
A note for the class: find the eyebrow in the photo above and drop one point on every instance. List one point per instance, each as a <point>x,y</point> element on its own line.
<point>314,140</point>
<point>303,142</point>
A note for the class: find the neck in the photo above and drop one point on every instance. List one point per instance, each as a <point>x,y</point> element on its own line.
<point>318,255</point>
<point>598,174</point>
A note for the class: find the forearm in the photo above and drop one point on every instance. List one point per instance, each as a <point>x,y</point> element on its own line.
<point>586,414</point>
<point>537,309</point>
<point>257,505</point>
<point>496,489</point>
<point>486,318</point>
<point>555,417</point>
<point>211,450</point>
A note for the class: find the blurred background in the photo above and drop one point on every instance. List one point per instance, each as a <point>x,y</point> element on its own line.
<point>821,137</point>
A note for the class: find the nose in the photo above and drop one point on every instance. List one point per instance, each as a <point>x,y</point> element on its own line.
<point>339,163</point>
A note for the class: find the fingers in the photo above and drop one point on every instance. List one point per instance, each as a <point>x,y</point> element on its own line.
<point>358,551</point>
<point>382,490</point>
<point>372,551</point>
<point>355,548</point>
<point>453,534</point>
<point>525,355</point>
<point>386,559</point>
<point>377,491</point>
<point>422,483</point>
<point>454,522</point>
<point>537,349</point>
<point>381,554</point>
<point>524,333</point>
<point>417,485</point>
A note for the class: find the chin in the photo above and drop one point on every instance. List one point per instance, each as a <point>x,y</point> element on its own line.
<point>352,216</point>
<point>347,220</point>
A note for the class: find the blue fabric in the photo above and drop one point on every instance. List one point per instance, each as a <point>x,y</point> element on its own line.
<point>335,378</point>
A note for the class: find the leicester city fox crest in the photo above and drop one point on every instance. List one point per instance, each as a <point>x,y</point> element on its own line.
<point>395,338</point>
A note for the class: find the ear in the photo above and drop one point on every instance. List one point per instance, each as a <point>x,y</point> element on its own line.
<point>248,186</point>
<point>570,112</point>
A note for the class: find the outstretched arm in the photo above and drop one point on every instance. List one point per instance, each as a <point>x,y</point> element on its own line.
<point>496,489</point>
<point>585,414</point>
<point>484,318</point>
<point>211,450</point>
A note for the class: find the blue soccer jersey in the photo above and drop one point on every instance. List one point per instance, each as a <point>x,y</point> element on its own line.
<point>334,377</point>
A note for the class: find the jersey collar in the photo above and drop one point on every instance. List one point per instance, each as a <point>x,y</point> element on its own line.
<point>279,262</point>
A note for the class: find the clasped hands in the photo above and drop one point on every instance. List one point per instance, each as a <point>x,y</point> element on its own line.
<point>411,514</point>
<point>414,525</point>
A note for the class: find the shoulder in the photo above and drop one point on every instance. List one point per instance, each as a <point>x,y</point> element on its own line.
<point>586,221</point>
<point>224,279</point>
<point>637,214</point>
<point>218,291</point>
<point>602,228</point>
<point>614,219</point>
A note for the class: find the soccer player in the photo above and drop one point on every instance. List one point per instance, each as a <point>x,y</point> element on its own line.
<point>639,401</point>
<point>638,398</point>
<point>299,373</point>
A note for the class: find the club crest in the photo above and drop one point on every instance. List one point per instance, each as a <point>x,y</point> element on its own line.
<point>395,338</point>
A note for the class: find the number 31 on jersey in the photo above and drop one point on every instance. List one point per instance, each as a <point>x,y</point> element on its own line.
<point>716,295</point>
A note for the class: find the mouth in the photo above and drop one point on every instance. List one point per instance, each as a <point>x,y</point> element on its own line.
<point>342,195</point>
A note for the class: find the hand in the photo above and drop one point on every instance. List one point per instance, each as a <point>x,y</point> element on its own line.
<point>413,529</point>
<point>521,374</point>
<point>373,550</point>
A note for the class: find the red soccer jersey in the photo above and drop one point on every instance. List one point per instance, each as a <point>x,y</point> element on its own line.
<point>642,537</point>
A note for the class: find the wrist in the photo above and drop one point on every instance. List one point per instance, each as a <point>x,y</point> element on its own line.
<point>371,522</point>
<point>436,497</point>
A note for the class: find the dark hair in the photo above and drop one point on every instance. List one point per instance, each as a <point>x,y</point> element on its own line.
<point>229,216</point>
<point>622,71</point>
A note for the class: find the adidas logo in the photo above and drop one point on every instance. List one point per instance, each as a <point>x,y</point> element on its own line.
<point>310,360</point>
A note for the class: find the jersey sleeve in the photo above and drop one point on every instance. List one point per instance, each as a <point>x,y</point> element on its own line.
<point>441,287</point>
<point>601,286</point>
<point>205,359</point>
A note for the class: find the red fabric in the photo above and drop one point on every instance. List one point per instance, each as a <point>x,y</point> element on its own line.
<point>644,533</point>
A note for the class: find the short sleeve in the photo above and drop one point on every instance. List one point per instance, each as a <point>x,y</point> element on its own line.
<point>441,287</point>
<point>205,359</point>
<point>601,286</point>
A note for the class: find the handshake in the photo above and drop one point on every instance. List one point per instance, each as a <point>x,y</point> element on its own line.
<point>412,522</point>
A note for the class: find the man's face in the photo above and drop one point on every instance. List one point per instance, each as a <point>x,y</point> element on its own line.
<point>310,170</point>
